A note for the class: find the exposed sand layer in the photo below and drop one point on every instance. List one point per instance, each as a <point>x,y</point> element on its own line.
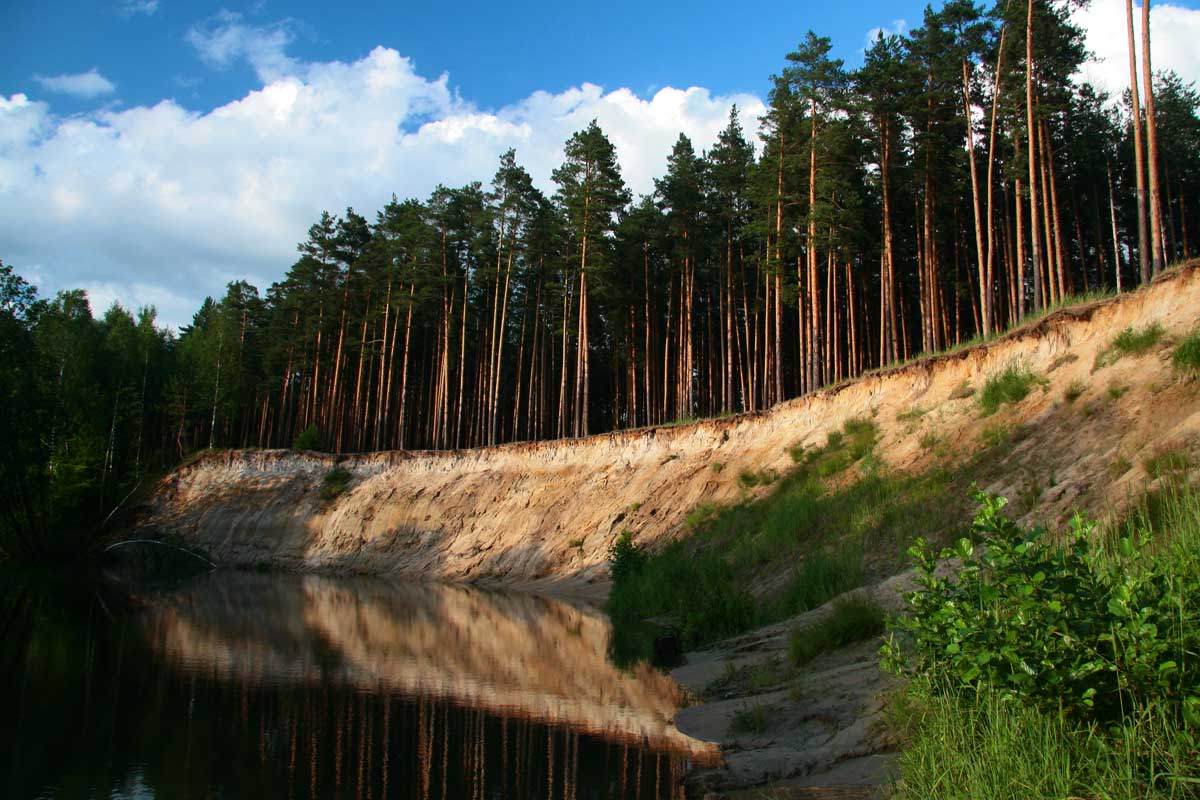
<point>545,513</point>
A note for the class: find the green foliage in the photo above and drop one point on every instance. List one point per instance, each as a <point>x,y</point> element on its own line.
<point>1186,356</point>
<point>1168,462</point>
<point>307,439</point>
<point>1117,390</point>
<point>853,619</point>
<point>822,575</point>
<point>1010,385</point>
<point>929,440</point>
<point>985,745</point>
<point>911,415</point>
<point>748,479</point>
<point>625,559</point>
<point>1074,391</point>
<point>1072,628</point>
<point>695,590</point>
<point>334,484</point>
<point>1130,342</point>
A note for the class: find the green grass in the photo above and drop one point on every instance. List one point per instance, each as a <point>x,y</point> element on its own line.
<point>984,743</point>
<point>1130,342</point>
<point>853,620</point>
<point>911,415</point>
<point>812,517</point>
<point>1117,390</point>
<point>1168,461</point>
<point>1011,385</point>
<point>1074,391</point>
<point>748,479</point>
<point>749,719</point>
<point>1186,356</point>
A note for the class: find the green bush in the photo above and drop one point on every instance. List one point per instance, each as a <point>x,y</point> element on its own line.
<point>308,439</point>
<point>1077,628</point>
<point>625,559</point>
<point>853,620</point>
<point>1010,385</point>
<point>335,483</point>
<point>1186,357</point>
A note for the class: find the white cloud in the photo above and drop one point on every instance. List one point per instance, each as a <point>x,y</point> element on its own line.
<point>84,84</point>
<point>161,204</point>
<point>898,28</point>
<point>226,38</point>
<point>130,7</point>
<point>1174,32</point>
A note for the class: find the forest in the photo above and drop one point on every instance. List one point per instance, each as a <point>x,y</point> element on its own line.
<point>962,179</point>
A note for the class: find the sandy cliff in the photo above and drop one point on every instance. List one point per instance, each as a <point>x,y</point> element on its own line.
<point>534,512</point>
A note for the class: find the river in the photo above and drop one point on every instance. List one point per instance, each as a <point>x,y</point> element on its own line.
<point>240,684</point>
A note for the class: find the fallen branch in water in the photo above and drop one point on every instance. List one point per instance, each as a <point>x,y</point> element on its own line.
<point>163,544</point>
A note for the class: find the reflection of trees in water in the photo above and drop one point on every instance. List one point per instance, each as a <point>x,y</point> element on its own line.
<point>185,699</point>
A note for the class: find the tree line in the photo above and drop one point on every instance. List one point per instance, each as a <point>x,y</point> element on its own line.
<point>958,181</point>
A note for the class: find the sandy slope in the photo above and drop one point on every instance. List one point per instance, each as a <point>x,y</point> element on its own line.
<point>525,513</point>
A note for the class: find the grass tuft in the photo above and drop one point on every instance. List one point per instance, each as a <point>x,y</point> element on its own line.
<point>1010,385</point>
<point>1186,357</point>
<point>854,619</point>
<point>1074,391</point>
<point>749,719</point>
<point>1129,342</point>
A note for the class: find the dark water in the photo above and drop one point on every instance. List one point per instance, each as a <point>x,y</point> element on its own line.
<point>263,686</point>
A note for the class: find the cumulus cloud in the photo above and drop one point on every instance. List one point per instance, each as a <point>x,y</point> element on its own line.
<point>159,204</point>
<point>84,84</point>
<point>226,38</point>
<point>1174,32</point>
<point>130,7</point>
<point>899,27</point>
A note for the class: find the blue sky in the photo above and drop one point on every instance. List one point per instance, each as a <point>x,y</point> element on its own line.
<point>495,52</point>
<point>153,150</point>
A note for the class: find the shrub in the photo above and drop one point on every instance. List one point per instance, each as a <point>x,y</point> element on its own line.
<point>1011,385</point>
<point>625,559</point>
<point>1186,357</point>
<point>1069,628</point>
<point>748,479</point>
<point>853,620</point>
<point>308,439</point>
<point>335,483</point>
<point>695,590</point>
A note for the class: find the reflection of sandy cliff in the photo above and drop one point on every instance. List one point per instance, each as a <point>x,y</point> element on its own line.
<point>515,655</point>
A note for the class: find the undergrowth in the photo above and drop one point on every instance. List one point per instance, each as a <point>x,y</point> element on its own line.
<point>1056,667</point>
<point>836,506</point>
<point>853,619</point>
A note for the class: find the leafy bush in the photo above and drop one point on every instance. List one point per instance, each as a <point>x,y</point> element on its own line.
<point>308,439</point>
<point>1073,628</point>
<point>335,483</point>
<point>1010,385</point>
<point>625,559</point>
<point>1186,357</point>
<point>853,619</point>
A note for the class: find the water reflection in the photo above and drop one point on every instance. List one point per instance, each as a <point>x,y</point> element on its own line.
<point>244,684</point>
